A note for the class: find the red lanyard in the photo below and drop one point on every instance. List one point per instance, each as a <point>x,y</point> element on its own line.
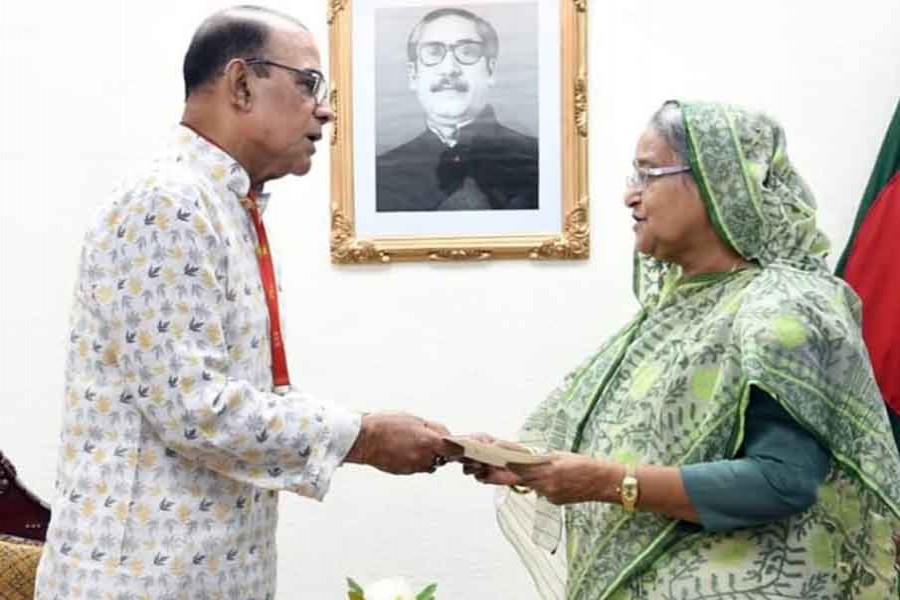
<point>279,363</point>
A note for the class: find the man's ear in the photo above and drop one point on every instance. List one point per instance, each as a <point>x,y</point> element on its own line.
<point>237,82</point>
<point>412,76</point>
<point>491,64</point>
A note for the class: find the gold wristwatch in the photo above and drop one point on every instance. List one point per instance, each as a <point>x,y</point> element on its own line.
<point>629,491</point>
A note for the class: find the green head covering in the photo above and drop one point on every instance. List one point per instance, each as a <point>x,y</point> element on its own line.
<point>756,201</point>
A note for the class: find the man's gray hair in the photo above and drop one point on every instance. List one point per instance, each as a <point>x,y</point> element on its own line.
<point>668,122</point>
<point>237,32</point>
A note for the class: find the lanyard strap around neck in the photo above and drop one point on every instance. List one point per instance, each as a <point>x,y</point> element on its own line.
<point>280,376</point>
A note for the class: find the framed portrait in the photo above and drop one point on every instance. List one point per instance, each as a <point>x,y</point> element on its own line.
<point>460,131</point>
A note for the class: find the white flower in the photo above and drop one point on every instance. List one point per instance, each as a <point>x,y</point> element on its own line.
<point>394,588</point>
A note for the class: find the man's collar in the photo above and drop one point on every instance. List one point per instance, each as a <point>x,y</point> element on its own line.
<point>224,170</point>
<point>448,135</point>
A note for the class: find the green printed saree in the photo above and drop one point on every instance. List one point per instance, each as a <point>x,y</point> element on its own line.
<point>672,387</point>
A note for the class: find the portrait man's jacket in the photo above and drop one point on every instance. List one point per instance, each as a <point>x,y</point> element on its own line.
<point>490,167</point>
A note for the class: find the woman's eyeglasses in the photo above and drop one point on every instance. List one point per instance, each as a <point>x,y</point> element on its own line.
<point>642,176</point>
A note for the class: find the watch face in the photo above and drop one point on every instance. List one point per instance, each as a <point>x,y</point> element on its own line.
<point>630,488</point>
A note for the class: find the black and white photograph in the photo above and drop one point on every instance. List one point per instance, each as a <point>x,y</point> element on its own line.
<point>450,133</point>
<point>457,108</point>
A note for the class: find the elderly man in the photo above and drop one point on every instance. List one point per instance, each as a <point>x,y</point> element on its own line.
<point>464,160</point>
<point>180,421</point>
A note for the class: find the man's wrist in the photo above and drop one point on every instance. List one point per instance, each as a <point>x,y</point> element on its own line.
<point>359,451</point>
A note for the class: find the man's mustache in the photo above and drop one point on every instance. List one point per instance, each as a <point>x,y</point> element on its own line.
<point>446,83</point>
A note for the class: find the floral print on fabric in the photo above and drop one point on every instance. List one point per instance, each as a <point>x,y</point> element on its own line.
<point>173,445</point>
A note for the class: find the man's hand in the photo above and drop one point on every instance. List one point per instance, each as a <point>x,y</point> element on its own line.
<point>402,444</point>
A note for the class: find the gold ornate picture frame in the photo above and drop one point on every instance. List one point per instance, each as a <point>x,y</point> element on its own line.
<point>360,231</point>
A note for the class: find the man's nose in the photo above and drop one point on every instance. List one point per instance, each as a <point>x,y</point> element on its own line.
<point>450,64</point>
<point>324,113</point>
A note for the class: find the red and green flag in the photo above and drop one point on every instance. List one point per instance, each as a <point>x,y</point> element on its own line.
<point>871,265</point>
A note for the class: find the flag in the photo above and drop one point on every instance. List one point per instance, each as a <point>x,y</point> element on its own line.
<point>871,265</point>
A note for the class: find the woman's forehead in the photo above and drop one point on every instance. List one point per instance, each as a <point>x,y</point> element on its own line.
<point>652,148</point>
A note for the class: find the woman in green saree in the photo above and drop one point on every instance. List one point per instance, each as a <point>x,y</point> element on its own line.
<point>730,441</point>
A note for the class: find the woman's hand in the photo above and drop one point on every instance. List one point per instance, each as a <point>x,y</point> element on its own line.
<point>488,473</point>
<point>571,478</point>
<point>568,478</point>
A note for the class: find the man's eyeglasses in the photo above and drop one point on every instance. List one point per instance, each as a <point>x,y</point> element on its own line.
<point>642,176</point>
<point>466,52</point>
<point>312,80</point>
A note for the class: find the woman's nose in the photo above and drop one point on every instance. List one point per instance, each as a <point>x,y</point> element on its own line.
<point>631,196</point>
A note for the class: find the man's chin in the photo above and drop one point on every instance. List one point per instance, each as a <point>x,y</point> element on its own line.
<point>303,162</point>
<point>455,109</point>
<point>298,169</point>
<point>302,168</point>
<point>451,117</point>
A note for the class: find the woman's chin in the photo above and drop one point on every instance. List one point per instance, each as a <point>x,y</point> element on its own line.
<point>641,244</point>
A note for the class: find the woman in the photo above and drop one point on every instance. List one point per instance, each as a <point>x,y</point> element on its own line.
<point>730,441</point>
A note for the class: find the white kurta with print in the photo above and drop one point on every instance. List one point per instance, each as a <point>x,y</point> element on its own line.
<point>173,445</point>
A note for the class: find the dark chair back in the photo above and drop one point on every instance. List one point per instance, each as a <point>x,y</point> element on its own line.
<point>22,513</point>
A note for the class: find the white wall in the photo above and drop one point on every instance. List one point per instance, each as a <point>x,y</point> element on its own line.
<point>87,87</point>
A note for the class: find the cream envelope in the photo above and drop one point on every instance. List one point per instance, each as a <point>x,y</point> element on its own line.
<point>495,455</point>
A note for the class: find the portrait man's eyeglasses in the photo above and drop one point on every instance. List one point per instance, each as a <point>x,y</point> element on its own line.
<point>642,176</point>
<point>312,81</point>
<point>466,52</point>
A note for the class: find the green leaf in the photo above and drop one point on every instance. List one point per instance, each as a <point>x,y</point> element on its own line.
<point>355,596</point>
<point>427,593</point>
<point>355,588</point>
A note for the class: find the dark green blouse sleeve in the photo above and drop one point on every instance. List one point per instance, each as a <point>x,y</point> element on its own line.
<point>776,474</point>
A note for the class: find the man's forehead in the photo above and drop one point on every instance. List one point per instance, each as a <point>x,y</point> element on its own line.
<point>294,47</point>
<point>450,29</point>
